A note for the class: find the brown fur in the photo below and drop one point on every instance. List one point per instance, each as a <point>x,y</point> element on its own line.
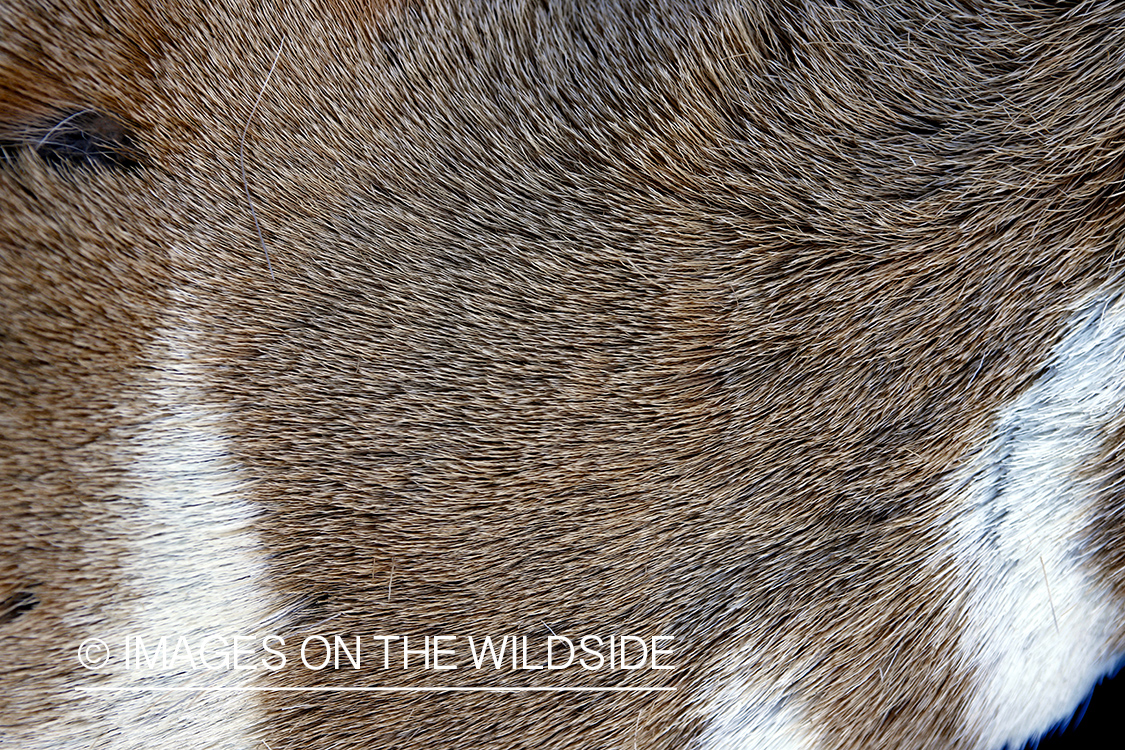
<point>666,317</point>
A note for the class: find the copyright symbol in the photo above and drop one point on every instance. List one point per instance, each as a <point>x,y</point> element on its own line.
<point>93,653</point>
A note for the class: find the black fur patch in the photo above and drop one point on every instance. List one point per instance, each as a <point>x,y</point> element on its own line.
<point>81,138</point>
<point>17,605</point>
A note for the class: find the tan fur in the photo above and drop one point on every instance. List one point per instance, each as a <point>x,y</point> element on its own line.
<point>586,317</point>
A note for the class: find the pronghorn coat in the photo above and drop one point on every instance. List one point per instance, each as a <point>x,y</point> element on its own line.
<point>776,347</point>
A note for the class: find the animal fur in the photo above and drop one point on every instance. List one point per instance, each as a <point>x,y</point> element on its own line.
<point>790,330</point>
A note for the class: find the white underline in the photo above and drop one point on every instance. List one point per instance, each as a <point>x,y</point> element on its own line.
<point>195,689</point>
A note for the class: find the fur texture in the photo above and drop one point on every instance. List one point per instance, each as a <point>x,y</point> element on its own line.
<point>788,330</point>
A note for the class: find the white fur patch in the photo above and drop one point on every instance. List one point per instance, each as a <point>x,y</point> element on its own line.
<point>195,567</point>
<point>740,719</point>
<point>1038,625</point>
